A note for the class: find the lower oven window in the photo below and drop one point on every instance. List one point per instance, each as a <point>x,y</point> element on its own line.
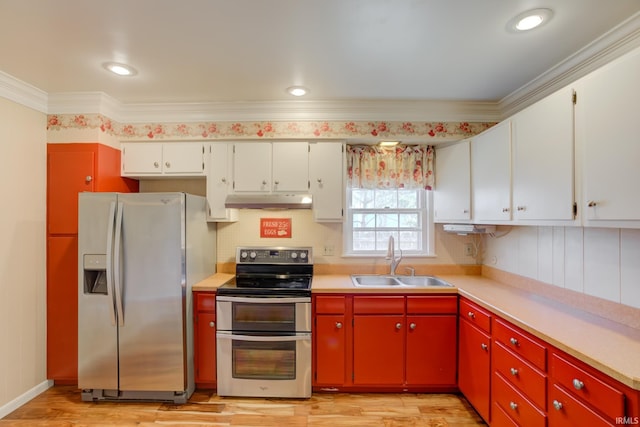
<point>264,360</point>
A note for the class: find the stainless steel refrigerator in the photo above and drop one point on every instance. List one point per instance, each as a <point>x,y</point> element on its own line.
<point>139,255</point>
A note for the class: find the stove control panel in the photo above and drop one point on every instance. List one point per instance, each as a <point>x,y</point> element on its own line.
<point>273,255</point>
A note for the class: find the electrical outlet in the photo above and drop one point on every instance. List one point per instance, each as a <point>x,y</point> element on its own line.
<point>328,250</point>
<point>468,249</point>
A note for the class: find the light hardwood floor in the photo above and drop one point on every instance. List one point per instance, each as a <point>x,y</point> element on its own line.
<point>62,406</point>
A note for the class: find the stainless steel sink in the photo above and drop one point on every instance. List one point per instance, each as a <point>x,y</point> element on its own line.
<point>386,281</point>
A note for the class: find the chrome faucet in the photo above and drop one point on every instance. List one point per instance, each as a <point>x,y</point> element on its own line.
<point>391,255</point>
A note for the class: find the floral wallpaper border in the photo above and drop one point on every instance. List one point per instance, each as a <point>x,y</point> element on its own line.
<point>266,129</point>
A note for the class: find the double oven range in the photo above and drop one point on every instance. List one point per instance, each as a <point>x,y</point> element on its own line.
<point>264,324</point>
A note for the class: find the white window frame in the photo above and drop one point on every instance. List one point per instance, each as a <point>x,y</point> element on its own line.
<point>427,232</point>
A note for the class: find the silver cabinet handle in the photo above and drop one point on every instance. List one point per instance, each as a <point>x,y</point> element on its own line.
<point>557,405</point>
<point>514,371</point>
<point>319,180</point>
<point>577,384</point>
<point>224,179</point>
<point>156,164</point>
<point>514,341</point>
<point>513,405</point>
<point>484,346</point>
<point>212,324</point>
<point>264,182</point>
<point>88,178</point>
<point>398,325</point>
<point>339,325</point>
<point>521,208</point>
<point>465,211</point>
<point>277,182</point>
<point>167,164</point>
<point>591,204</point>
<point>505,209</point>
<point>471,315</point>
<point>412,326</point>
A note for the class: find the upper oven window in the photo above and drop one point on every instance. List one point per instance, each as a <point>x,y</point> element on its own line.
<point>276,317</point>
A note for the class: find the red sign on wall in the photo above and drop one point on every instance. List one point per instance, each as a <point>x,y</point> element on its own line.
<point>275,227</point>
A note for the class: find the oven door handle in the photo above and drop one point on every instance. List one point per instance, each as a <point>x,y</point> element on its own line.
<point>267,300</point>
<point>264,338</point>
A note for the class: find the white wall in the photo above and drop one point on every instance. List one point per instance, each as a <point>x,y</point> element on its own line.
<point>22,252</point>
<point>601,262</point>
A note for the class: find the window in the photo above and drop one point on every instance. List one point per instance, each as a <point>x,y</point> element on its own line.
<point>375,214</point>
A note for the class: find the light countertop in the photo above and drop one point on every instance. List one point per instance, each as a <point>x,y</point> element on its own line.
<point>610,347</point>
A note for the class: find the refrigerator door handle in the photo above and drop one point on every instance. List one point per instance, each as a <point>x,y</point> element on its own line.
<point>110,287</point>
<point>116,265</point>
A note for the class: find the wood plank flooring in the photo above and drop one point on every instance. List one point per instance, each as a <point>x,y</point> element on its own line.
<point>62,406</point>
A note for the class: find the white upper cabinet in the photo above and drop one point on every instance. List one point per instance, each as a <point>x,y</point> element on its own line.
<point>326,170</point>
<point>543,160</point>
<point>491,174</point>
<point>264,167</point>
<point>607,115</point>
<point>219,182</point>
<point>290,166</point>
<point>176,159</point>
<point>452,194</point>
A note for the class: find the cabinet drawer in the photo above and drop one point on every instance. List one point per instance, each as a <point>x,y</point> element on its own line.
<point>205,301</point>
<point>475,315</point>
<point>564,410</point>
<point>521,410</point>
<point>499,417</point>
<point>587,387</point>
<point>378,305</point>
<point>520,374</point>
<point>520,343</point>
<point>330,304</point>
<point>432,305</point>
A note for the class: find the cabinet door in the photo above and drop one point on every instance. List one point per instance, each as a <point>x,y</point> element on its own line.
<point>330,350</point>
<point>252,167</point>
<point>474,375</point>
<point>431,350</point>
<point>183,158</point>
<point>290,166</point>
<point>491,173</point>
<point>452,195</point>
<point>326,168</point>
<point>543,162</point>
<point>606,116</point>
<point>378,350</point>
<point>68,173</point>
<point>205,348</point>
<point>219,182</point>
<point>142,158</point>
<point>62,308</point>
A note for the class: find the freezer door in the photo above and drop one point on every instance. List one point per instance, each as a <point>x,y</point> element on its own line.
<point>150,273</point>
<point>97,330</point>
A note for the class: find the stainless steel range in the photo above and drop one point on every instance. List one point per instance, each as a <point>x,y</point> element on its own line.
<point>264,324</point>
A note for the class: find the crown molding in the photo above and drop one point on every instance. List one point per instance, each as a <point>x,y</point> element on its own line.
<point>85,103</point>
<point>611,45</point>
<point>22,93</point>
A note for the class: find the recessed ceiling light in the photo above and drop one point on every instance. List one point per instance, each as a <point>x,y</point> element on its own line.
<point>297,90</point>
<point>529,20</point>
<point>120,69</point>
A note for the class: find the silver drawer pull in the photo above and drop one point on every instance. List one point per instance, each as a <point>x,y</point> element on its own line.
<point>167,164</point>
<point>557,405</point>
<point>156,164</point>
<point>471,315</point>
<point>412,326</point>
<point>398,325</point>
<point>514,371</point>
<point>514,341</point>
<point>212,324</point>
<point>577,384</point>
<point>339,325</point>
<point>484,346</point>
<point>513,405</point>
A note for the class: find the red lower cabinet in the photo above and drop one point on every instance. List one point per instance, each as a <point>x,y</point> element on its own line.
<point>205,339</point>
<point>330,350</point>
<point>378,349</point>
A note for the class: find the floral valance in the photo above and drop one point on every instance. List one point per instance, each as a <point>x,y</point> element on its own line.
<point>402,166</point>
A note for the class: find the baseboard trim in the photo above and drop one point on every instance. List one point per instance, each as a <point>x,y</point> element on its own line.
<point>24,398</point>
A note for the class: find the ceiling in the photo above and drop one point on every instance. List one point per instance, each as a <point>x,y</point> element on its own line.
<point>199,51</point>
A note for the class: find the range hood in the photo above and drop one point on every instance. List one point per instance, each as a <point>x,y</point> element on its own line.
<point>268,201</point>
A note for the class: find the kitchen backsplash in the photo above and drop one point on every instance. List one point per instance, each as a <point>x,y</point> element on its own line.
<point>600,262</point>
